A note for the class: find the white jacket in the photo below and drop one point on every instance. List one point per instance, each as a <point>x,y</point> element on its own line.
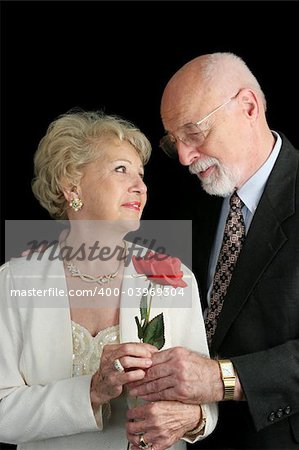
<point>40,398</point>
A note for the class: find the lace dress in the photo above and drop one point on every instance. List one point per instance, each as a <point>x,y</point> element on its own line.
<point>87,350</point>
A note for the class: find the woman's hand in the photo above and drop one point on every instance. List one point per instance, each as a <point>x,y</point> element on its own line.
<point>107,383</point>
<point>161,424</point>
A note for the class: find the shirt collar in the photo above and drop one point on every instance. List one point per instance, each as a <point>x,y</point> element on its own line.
<point>251,191</point>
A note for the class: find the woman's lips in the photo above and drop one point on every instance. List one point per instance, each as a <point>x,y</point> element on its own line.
<point>132,205</point>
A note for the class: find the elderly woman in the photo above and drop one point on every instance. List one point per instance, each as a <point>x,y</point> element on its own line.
<point>66,361</point>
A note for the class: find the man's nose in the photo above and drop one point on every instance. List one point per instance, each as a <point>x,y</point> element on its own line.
<point>187,154</point>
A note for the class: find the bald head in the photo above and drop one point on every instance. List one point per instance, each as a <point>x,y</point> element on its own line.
<point>207,79</point>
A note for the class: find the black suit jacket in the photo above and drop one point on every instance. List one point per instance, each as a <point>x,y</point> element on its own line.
<point>259,324</point>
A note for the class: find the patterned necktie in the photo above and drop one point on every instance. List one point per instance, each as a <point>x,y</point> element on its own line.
<point>233,238</point>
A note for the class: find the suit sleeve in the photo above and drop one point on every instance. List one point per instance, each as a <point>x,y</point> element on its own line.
<point>270,381</point>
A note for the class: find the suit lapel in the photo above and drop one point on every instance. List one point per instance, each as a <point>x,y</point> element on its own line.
<point>264,239</point>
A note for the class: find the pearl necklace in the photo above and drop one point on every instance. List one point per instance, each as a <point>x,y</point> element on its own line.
<point>101,279</point>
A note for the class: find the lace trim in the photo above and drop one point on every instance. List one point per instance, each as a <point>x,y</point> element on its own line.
<point>87,349</point>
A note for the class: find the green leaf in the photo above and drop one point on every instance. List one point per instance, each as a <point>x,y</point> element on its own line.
<point>154,332</point>
<point>139,327</point>
<point>143,307</point>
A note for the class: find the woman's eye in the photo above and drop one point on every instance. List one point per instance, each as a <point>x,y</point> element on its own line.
<point>141,175</point>
<point>121,169</point>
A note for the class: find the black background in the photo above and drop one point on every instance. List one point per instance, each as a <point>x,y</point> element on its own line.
<point>118,56</point>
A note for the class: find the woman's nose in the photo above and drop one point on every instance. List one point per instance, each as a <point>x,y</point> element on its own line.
<point>138,186</point>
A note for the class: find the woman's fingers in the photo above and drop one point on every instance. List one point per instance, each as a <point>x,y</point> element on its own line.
<point>134,358</point>
<point>121,378</point>
<point>130,355</point>
<point>136,440</point>
<point>130,362</point>
<point>161,423</point>
<point>130,349</point>
<point>106,385</point>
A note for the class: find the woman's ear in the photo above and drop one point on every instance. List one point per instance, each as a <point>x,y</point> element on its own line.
<point>67,192</point>
<point>72,197</point>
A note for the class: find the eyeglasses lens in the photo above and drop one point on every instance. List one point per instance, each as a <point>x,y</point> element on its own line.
<point>189,134</point>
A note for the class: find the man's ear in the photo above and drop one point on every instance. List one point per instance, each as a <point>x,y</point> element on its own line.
<point>250,103</point>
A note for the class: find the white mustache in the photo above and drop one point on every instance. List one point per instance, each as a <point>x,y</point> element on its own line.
<point>202,165</point>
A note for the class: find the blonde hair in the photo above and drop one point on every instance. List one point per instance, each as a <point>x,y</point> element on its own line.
<point>73,140</point>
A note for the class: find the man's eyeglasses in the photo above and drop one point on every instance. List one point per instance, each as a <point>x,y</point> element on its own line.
<point>189,134</point>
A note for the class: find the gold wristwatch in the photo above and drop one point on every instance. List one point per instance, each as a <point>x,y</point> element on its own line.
<point>228,378</point>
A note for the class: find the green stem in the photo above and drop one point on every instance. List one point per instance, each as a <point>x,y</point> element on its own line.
<point>150,305</point>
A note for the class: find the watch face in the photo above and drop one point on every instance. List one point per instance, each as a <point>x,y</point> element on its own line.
<point>227,370</point>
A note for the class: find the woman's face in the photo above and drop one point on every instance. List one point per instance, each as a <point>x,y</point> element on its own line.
<point>112,187</point>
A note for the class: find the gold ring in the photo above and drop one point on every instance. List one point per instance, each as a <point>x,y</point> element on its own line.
<point>142,443</point>
<point>118,365</point>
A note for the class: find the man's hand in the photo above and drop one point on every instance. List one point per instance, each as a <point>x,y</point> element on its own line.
<point>182,375</point>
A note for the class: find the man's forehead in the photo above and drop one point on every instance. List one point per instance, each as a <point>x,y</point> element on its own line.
<point>176,113</point>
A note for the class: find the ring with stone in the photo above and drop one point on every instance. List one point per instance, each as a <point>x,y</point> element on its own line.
<point>142,443</point>
<point>118,365</point>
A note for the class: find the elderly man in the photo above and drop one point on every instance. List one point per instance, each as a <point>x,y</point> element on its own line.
<point>246,258</point>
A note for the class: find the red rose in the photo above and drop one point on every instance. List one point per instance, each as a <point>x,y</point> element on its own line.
<point>160,269</point>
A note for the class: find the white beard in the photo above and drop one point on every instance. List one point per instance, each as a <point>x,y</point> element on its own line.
<point>221,182</point>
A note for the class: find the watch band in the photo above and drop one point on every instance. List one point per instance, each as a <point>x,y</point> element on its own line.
<point>228,378</point>
<point>200,429</point>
